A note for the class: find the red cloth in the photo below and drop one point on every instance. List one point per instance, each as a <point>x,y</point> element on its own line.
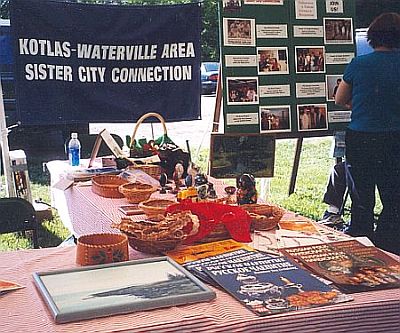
<point>236,220</point>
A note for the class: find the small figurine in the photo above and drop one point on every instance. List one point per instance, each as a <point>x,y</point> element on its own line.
<point>163,182</point>
<point>246,189</point>
<point>212,194</point>
<point>188,181</point>
<point>200,179</point>
<point>177,176</point>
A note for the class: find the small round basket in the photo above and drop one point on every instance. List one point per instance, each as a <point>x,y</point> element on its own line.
<point>136,192</point>
<point>102,248</point>
<point>107,186</point>
<point>153,247</point>
<point>154,207</point>
<point>264,216</point>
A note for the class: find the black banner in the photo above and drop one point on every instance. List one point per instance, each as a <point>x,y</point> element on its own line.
<point>80,63</point>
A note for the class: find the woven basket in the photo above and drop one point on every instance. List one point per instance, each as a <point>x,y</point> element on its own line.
<point>136,192</point>
<point>152,170</point>
<point>219,233</point>
<point>264,216</point>
<point>153,247</point>
<point>155,207</point>
<point>103,248</point>
<point>107,186</point>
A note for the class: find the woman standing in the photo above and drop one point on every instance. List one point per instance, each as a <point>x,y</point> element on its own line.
<point>371,85</point>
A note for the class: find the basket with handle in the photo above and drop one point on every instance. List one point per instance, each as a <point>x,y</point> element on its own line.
<point>153,170</point>
<point>169,153</point>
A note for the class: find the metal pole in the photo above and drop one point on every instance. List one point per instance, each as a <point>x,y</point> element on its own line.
<point>5,150</point>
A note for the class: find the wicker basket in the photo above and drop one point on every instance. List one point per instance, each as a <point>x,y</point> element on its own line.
<point>264,216</point>
<point>137,192</point>
<point>155,207</point>
<point>107,186</point>
<point>217,234</point>
<point>152,170</point>
<point>153,247</point>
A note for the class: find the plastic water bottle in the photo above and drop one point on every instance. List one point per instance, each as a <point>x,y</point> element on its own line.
<point>74,150</point>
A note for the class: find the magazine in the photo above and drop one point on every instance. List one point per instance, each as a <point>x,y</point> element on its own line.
<point>268,285</point>
<point>350,265</point>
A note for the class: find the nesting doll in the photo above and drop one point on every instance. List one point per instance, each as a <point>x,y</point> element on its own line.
<point>246,189</point>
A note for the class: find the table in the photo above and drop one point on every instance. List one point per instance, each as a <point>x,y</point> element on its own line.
<point>84,212</point>
<point>24,311</point>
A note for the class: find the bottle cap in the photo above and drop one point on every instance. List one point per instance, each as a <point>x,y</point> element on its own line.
<point>74,135</point>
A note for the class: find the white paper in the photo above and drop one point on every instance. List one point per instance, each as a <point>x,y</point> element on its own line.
<point>339,116</point>
<point>276,90</point>
<point>308,31</point>
<point>338,58</point>
<point>271,31</point>
<point>310,89</point>
<point>334,6</point>
<point>242,119</point>
<point>306,9</point>
<point>240,60</point>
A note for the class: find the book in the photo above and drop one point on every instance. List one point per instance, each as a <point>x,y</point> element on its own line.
<point>350,265</point>
<point>239,255</point>
<point>269,284</point>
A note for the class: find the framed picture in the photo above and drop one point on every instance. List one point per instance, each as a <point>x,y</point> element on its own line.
<point>332,85</point>
<point>272,60</point>
<point>242,90</point>
<point>338,30</point>
<point>103,290</point>
<point>239,32</point>
<point>312,117</point>
<point>310,59</point>
<point>275,118</point>
<point>234,154</point>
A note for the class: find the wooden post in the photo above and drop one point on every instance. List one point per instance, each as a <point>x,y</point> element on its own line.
<point>218,102</point>
<point>296,163</point>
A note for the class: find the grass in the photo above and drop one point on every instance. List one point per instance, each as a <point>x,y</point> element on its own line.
<point>314,168</point>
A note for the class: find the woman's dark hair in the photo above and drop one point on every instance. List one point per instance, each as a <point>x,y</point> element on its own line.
<point>385,31</point>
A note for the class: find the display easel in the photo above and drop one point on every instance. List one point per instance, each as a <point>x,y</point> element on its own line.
<point>105,136</point>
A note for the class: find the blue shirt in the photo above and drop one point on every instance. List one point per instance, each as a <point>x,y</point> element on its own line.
<point>375,80</point>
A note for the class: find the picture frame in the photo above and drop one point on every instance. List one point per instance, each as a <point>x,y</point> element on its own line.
<point>242,90</point>
<point>310,59</point>
<point>234,154</point>
<point>312,117</point>
<point>338,30</point>
<point>272,60</point>
<point>275,118</point>
<point>117,288</point>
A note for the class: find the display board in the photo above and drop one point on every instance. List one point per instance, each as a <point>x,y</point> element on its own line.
<point>81,63</point>
<point>235,154</point>
<point>281,63</point>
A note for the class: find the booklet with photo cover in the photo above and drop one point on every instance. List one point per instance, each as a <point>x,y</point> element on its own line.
<point>269,285</point>
<point>350,265</point>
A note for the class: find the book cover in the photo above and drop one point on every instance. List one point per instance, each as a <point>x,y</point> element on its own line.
<point>350,265</point>
<point>271,285</point>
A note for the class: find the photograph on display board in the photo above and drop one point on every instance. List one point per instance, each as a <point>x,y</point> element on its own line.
<point>242,90</point>
<point>275,118</point>
<point>332,85</point>
<point>272,60</point>
<point>310,59</point>
<point>231,5</point>
<point>312,117</point>
<point>239,32</point>
<point>338,30</point>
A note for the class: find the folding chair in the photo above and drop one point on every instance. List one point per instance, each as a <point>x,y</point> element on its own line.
<point>18,215</point>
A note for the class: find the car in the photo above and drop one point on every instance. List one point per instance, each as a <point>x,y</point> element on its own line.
<point>209,77</point>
